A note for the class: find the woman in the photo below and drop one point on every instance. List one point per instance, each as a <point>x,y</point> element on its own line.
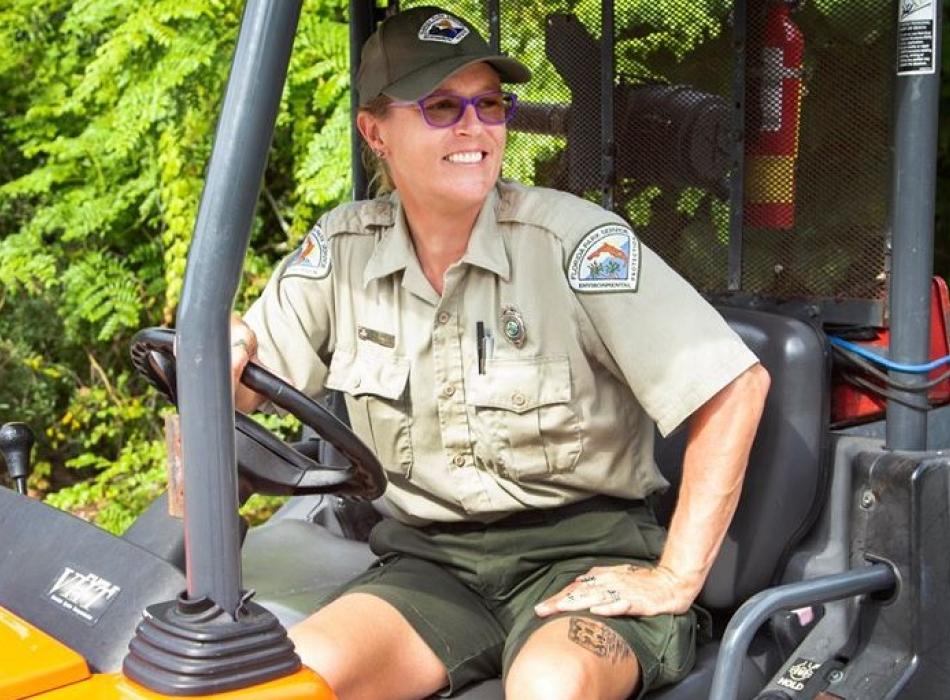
<point>507,352</point>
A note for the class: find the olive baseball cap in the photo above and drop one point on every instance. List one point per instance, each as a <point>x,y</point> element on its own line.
<point>415,50</point>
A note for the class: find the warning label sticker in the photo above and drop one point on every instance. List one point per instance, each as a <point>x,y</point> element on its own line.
<point>916,36</point>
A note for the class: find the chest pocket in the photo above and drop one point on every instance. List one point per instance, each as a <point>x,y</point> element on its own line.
<point>523,411</point>
<point>378,403</point>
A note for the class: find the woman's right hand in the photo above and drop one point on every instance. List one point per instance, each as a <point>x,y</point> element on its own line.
<point>243,350</point>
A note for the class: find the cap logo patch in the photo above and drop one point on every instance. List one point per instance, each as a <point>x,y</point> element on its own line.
<point>312,259</point>
<point>606,260</point>
<point>443,28</point>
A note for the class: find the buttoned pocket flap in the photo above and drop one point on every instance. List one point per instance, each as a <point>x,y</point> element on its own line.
<point>361,374</point>
<point>521,385</point>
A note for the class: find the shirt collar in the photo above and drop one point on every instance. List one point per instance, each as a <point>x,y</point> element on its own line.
<point>486,246</point>
<point>394,251</point>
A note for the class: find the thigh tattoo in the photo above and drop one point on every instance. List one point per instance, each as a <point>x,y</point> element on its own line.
<point>599,639</point>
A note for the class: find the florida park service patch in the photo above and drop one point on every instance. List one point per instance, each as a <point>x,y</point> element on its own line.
<point>312,259</point>
<point>606,260</point>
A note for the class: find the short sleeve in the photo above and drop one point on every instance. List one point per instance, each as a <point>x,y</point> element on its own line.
<point>293,321</point>
<point>673,349</point>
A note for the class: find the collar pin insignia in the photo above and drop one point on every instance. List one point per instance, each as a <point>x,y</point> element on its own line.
<point>512,323</point>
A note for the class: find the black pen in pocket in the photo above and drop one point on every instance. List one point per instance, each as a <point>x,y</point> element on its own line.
<point>480,345</point>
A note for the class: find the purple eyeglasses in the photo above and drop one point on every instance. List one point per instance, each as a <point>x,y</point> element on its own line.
<point>445,109</point>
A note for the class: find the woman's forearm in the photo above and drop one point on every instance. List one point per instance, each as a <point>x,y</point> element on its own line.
<point>717,452</point>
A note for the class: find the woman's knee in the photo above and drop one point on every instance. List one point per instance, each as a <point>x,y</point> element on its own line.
<point>551,677</point>
<point>325,654</point>
<point>344,641</point>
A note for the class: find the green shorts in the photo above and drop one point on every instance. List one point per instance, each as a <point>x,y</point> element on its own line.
<point>469,589</point>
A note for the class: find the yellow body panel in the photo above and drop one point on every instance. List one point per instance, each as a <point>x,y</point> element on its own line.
<point>303,685</point>
<point>34,664</point>
<point>31,661</point>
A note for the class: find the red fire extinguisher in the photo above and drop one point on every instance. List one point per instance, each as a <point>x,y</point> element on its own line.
<point>774,66</point>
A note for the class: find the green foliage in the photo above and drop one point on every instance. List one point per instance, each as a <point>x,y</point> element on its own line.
<point>109,108</point>
<point>122,487</point>
<point>109,438</point>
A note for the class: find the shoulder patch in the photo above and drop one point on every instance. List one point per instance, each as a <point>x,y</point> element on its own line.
<point>606,260</point>
<point>312,258</point>
<point>443,28</point>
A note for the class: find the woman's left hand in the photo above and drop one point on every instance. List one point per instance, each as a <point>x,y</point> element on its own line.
<point>623,590</point>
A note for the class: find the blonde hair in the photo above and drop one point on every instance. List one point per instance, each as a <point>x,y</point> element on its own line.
<point>379,180</point>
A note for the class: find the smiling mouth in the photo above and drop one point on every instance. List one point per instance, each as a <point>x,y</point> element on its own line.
<point>466,157</point>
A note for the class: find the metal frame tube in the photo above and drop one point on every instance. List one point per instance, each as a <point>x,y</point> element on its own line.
<point>494,25</point>
<point>737,187</point>
<point>755,611</point>
<point>917,106</point>
<point>607,139</point>
<point>362,24</point>
<point>221,236</point>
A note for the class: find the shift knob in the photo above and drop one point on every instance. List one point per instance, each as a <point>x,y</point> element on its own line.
<point>16,442</point>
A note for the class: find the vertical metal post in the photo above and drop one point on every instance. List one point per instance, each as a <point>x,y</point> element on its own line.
<point>736,189</point>
<point>222,232</point>
<point>917,104</point>
<point>607,141</point>
<point>494,26</point>
<point>362,24</point>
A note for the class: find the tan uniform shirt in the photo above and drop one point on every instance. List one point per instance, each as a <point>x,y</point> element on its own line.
<point>595,340</point>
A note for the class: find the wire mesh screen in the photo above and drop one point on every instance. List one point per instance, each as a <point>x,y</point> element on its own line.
<point>816,208</point>
<point>749,143</point>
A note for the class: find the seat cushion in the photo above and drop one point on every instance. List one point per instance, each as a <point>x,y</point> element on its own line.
<point>292,564</point>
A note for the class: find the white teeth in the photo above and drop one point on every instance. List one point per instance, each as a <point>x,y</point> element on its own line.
<point>465,157</point>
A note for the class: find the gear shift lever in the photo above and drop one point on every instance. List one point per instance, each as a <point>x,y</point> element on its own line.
<point>16,442</point>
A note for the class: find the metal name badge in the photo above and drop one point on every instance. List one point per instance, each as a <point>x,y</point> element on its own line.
<point>512,325</point>
<point>385,339</point>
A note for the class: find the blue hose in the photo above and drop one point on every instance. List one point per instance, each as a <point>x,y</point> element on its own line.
<point>889,364</point>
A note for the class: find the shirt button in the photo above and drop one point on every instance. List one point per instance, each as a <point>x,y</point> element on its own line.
<point>459,460</point>
<point>448,389</point>
<point>518,399</point>
<point>444,317</point>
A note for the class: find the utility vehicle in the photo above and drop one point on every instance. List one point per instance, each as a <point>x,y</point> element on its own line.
<point>781,156</point>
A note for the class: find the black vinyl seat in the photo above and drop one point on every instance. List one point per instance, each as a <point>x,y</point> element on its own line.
<point>785,484</point>
<point>782,496</point>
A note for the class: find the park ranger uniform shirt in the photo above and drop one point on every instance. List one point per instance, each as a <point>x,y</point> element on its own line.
<point>594,341</point>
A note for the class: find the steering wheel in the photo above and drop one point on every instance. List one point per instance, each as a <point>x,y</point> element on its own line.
<point>271,465</point>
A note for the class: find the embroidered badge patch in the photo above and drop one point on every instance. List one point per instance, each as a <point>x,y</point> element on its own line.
<point>606,260</point>
<point>312,259</point>
<point>443,27</point>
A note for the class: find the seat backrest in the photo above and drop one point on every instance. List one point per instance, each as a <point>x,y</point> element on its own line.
<point>785,482</point>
